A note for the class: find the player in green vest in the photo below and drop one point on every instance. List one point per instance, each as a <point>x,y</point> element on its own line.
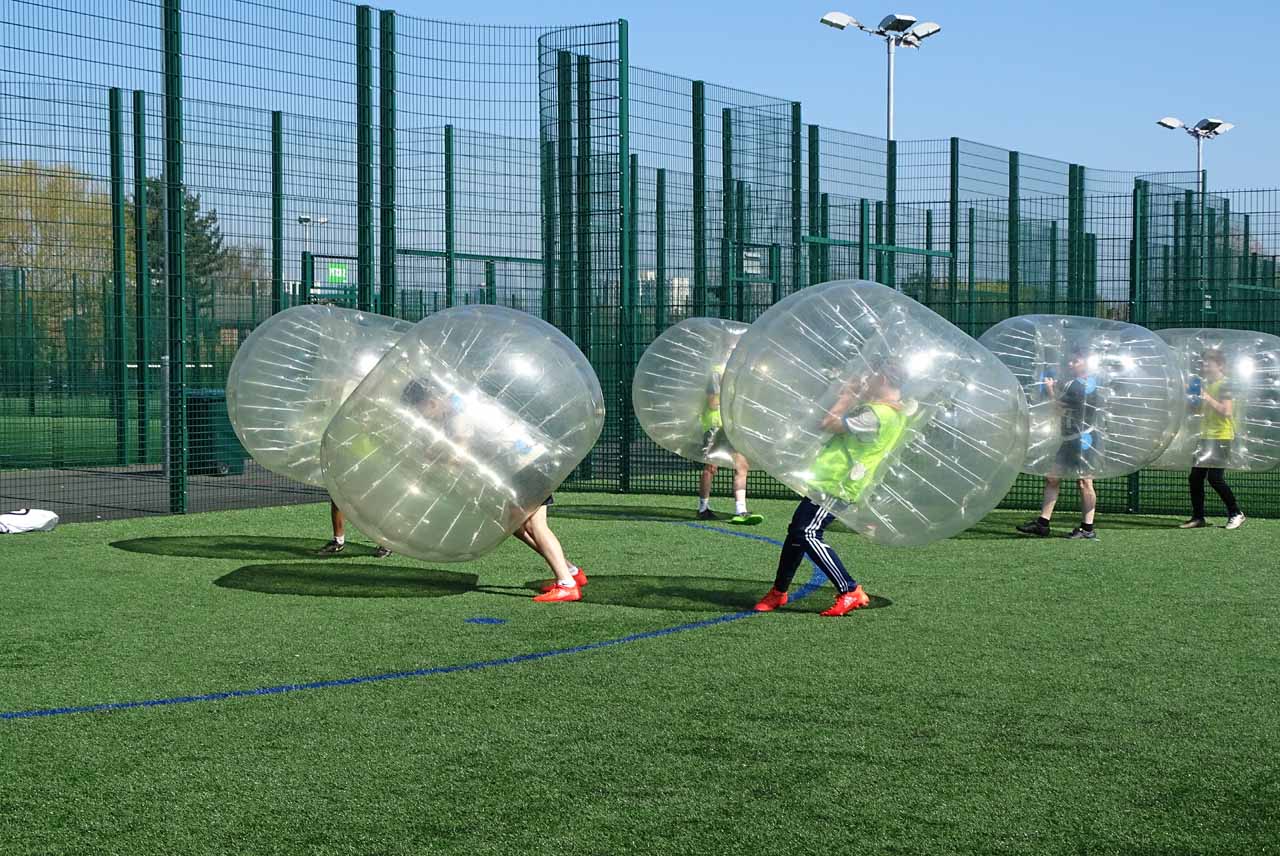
<point>716,445</point>
<point>1214,397</point>
<point>867,422</point>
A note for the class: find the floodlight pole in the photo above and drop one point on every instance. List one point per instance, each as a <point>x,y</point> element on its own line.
<point>889,41</point>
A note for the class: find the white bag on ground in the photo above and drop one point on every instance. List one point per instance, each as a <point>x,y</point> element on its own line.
<point>27,520</point>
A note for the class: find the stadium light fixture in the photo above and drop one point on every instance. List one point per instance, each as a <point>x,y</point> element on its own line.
<point>897,30</point>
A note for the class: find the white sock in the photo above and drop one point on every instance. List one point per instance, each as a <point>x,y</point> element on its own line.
<point>573,569</point>
<point>704,503</point>
<point>740,501</point>
<point>341,539</point>
<point>570,584</point>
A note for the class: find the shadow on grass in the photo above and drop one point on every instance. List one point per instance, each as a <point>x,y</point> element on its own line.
<point>681,594</point>
<point>238,547</point>
<point>1000,526</point>
<point>334,579</point>
<point>628,512</point>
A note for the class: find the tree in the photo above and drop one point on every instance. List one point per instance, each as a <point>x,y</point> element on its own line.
<point>202,235</point>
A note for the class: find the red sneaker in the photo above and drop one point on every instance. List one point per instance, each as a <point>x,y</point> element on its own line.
<point>559,593</point>
<point>848,602</point>
<point>578,577</point>
<point>772,601</point>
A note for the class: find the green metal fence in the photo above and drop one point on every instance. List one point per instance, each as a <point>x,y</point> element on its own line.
<point>172,173</point>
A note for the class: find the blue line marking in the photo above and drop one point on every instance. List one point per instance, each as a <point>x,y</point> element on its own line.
<point>808,588</point>
<point>485,620</point>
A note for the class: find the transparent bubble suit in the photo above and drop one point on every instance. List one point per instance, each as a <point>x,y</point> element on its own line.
<point>1105,397</point>
<point>1251,371</point>
<point>461,431</point>
<point>961,416</point>
<point>291,375</point>
<point>677,381</point>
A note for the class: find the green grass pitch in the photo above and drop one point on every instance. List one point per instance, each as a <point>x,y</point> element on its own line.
<point>1004,696</point>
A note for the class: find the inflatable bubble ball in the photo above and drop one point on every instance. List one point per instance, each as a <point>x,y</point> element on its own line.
<point>1233,400</point>
<point>1105,397</point>
<point>676,392</point>
<point>875,407</point>
<point>293,372</point>
<point>462,430</point>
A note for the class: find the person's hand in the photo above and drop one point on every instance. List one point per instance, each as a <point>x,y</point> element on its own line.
<point>833,422</point>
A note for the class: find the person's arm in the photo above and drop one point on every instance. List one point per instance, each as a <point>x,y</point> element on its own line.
<point>844,402</point>
<point>1222,404</point>
<point>863,424</point>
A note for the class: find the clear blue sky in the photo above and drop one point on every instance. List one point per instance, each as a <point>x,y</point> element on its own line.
<point>1081,82</point>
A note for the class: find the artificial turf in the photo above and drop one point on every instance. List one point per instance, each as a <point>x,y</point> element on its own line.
<point>1005,695</point>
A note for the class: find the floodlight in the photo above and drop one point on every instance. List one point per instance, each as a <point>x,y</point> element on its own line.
<point>1171,123</point>
<point>1213,127</point>
<point>897,23</point>
<point>925,30</point>
<point>840,20</point>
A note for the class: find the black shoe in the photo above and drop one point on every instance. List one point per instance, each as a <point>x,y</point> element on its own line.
<point>331,548</point>
<point>1034,527</point>
<point>381,553</point>
<point>1080,534</point>
<point>1193,523</point>
<point>706,514</point>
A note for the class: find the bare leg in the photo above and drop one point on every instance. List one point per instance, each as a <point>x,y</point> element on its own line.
<point>740,470</point>
<point>1088,500</point>
<point>339,522</point>
<point>704,481</point>
<point>537,534</point>
<point>1051,486</point>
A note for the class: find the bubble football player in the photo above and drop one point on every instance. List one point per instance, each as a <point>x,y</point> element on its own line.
<point>1214,397</point>
<point>867,421</point>
<point>1078,402</point>
<point>339,542</point>
<point>716,444</point>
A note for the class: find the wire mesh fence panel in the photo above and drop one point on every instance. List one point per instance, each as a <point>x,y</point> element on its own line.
<point>174,173</point>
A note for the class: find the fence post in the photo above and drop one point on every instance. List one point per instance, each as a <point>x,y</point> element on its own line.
<point>364,158</point>
<point>119,239</point>
<point>970,274</point>
<point>491,283</point>
<point>699,120</point>
<point>815,201</point>
<point>890,260</point>
<point>660,253</point>
<point>1015,249</point>
<point>797,203</point>
<point>175,262</point>
<point>953,226</point>
<point>584,302</point>
<point>308,277</point>
<point>277,212</point>
<point>727,211</point>
<point>928,260</point>
<point>864,238</point>
<point>387,162</point>
<point>564,183</point>
<point>627,168</point>
<point>450,271</point>
<point>1053,266</point>
<point>142,269</point>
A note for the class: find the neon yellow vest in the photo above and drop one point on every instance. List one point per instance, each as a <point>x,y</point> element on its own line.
<point>711,419</point>
<point>847,466</point>
<point>1213,425</point>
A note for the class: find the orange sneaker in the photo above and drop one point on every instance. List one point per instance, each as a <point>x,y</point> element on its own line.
<point>772,601</point>
<point>578,577</point>
<point>559,593</point>
<point>847,602</point>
